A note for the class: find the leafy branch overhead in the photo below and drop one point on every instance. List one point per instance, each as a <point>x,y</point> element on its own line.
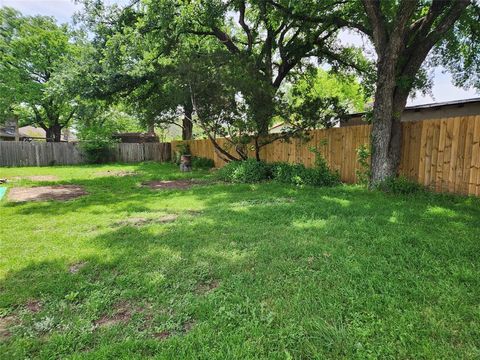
<point>163,55</point>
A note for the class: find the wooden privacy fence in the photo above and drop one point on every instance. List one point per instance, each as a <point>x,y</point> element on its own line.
<point>44,154</point>
<point>443,154</point>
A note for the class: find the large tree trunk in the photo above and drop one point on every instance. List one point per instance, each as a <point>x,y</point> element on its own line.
<point>402,43</point>
<point>54,133</point>
<point>17,129</point>
<point>57,133</point>
<point>388,107</point>
<point>151,128</point>
<point>187,125</point>
<point>262,106</point>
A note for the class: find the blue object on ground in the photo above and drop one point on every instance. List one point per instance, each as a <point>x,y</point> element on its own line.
<point>3,190</point>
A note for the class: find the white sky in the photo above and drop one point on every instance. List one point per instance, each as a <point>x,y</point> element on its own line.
<point>62,10</point>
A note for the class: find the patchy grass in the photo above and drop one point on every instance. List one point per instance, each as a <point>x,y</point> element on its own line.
<point>238,271</point>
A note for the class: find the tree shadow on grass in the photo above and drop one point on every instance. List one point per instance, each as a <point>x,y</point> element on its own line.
<point>236,219</point>
<point>289,263</point>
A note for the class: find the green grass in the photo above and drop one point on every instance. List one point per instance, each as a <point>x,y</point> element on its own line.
<point>246,271</point>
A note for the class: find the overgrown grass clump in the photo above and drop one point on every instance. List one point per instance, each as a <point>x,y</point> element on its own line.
<point>400,186</point>
<point>298,174</point>
<point>202,163</point>
<point>247,172</point>
<point>252,171</point>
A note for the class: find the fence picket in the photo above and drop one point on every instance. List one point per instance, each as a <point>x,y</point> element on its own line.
<point>45,154</point>
<point>443,154</point>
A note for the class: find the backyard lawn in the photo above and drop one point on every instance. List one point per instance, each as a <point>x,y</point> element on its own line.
<point>219,271</point>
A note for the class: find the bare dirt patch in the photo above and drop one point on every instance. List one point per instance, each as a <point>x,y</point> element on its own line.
<point>34,306</point>
<point>5,323</point>
<point>45,193</point>
<point>188,326</point>
<point>162,335</point>
<point>122,314</point>
<point>170,184</point>
<point>139,221</point>
<point>117,173</point>
<point>206,287</point>
<point>37,178</point>
<point>76,267</point>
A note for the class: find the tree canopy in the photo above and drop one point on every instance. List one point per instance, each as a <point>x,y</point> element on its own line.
<point>165,55</point>
<point>235,68</point>
<point>35,51</point>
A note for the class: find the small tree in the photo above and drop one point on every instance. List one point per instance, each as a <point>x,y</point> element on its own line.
<point>253,46</point>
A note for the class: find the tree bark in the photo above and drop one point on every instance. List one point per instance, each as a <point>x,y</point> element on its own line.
<point>401,52</point>
<point>386,133</point>
<point>49,135</point>
<point>57,133</point>
<point>17,129</point>
<point>383,165</point>
<point>151,128</point>
<point>53,133</point>
<point>187,125</point>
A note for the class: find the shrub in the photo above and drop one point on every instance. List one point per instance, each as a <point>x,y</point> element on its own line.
<point>400,185</point>
<point>226,172</point>
<point>98,149</point>
<point>181,149</point>
<point>248,171</point>
<point>202,163</point>
<point>364,173</point>
<point>96,141</point>
<point>298,174</point>
<point>251,171</point>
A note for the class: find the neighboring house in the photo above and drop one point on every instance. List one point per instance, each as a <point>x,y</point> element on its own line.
<point>457,108</point>
<point>25,133</point>
<point>30,133</point>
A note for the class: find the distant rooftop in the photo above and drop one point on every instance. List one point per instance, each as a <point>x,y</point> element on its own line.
<point>444,103</point>
<point>436,105</point>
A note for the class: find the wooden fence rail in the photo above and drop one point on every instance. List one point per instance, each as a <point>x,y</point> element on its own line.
<point>443,154</point>
<point>44,154</point>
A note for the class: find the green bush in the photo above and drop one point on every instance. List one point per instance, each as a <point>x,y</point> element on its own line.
<point>248,171</point>
<point>97,150</point>
<point>364,173</point>
<point>202,163</point>
<point>400,185</point>
<point>225,173</point>
<point>298,174</point>
<point>252,171</point>
<point>181,149</point>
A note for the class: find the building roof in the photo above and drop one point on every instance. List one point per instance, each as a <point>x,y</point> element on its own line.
<point>436,105</point>
<point>32,132</point>
<point>23,132</point>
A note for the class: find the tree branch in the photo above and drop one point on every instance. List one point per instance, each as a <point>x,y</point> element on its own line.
<point>377,23</point>
<point>225,40</point>
<point>245,27</point>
